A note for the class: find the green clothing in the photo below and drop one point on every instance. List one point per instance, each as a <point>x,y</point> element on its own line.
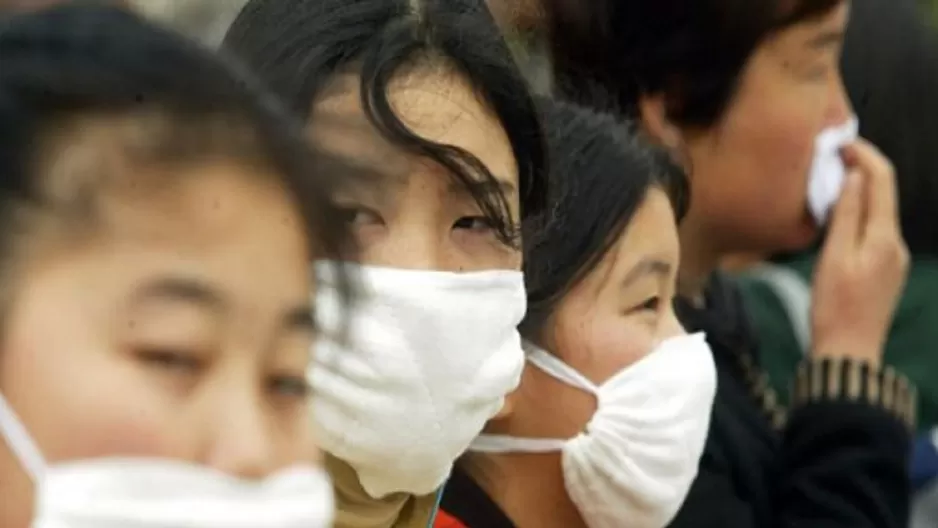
<point>777,298</point>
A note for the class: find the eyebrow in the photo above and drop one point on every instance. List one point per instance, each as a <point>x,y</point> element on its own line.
<point>360,173</point>
<point>193,291</point>
<point>646,266</point>
<point>369,172</point>
<point>183,289</point>
<point>826,39</point>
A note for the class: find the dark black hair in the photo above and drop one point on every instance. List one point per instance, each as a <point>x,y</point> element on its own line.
<point>690,51</point>
<point>72,64</point>
<point>890,67</point>
<point>601,171</point>
<point>298,45</point>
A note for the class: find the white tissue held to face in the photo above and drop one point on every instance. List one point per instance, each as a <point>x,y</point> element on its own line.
<point>428,359</point>
<point>827,169</point>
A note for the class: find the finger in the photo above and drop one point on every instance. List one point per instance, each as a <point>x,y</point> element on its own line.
<point>845,229</point>
<point>880,177</point>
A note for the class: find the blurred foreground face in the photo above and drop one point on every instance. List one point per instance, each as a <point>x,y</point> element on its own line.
<point>174,323</point>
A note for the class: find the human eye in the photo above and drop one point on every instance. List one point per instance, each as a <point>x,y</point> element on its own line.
<point>169,359</point>
<point>475,224</point>
<point>357,215</point>
<point>651,304</point>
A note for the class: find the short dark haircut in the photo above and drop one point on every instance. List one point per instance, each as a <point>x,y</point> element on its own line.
<point>690,51</point>
<point>890,66</point>
<point>298,45</point>
<point>601,171</point>
<point>73,64</point>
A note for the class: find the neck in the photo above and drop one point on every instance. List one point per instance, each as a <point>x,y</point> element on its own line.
<point>699,258</point>
<point>528,488</point>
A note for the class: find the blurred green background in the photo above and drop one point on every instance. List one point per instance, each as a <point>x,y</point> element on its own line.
<point>932,7</point>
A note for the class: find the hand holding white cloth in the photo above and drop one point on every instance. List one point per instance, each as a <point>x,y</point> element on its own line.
<point>826,178</point>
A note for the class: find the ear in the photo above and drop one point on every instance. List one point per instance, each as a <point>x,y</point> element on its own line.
<point>656,123</point>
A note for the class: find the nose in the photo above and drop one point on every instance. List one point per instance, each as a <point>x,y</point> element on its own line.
<point>671,326</point>
<point>840,108</point>
<point>240,441</point>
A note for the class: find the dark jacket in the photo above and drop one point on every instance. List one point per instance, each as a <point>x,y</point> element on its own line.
<point>839,462</point>
<point>836,459</point>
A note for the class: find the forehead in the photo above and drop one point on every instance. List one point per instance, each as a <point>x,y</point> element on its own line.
<point>652,233</point>
<point>101,177</point>
<point>434,103</point>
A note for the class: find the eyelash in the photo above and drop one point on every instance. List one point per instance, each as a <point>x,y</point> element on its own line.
<point>469,223</point>
<point>293,386</point>
<point>285,385</point>
<point>350,214</point>
<point>651,304</point>
<point>486,223</point>
<point>170,359</point>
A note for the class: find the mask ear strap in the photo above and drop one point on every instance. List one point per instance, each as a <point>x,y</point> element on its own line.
<point>22,445</point>
<point>557,369</point>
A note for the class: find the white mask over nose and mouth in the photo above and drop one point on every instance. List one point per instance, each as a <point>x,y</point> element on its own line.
<point>428,360</point>
<point>826,178</point>
<point>636,459</point>
<point>131,492</point>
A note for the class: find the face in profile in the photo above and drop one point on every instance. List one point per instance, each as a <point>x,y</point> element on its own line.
<point>406,210</point>
<point>612,318</point>
<point>623,307</point>
<point>171,322</point>
<point>750,169</point>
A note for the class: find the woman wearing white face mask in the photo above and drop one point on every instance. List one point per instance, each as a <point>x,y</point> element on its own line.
<point>158,220</point>
<point>610,419</point>
<point>424,97</point>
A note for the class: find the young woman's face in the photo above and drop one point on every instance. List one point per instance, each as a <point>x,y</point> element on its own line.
<point>750,169</point>
<point>180,328</point>
<point>406,210</point>
<point>617,314</point>
<point>611,319</point>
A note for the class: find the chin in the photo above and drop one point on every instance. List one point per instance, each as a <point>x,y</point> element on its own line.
<point>801,236</point>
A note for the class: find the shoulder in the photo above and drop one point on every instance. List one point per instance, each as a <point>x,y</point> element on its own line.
<point>466,505</point>
<point>356,509</point>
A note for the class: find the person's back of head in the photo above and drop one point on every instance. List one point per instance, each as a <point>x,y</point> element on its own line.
<point>693,52</point>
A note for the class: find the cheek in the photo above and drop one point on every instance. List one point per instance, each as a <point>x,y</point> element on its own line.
<point>752,180</point>
<point>80,401</point>
<point>600,346</point>
<point>769,156</point>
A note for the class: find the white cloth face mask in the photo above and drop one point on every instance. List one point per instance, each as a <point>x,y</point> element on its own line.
<point>826,179</point>
<point>163,493</point>
<point>635,462</point>
<point>430,357</point>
